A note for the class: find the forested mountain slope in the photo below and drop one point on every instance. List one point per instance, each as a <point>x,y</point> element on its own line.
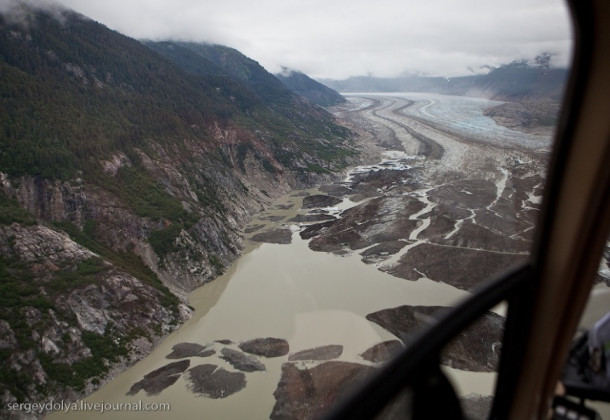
<point>125,181</point>
<point>305,86</point>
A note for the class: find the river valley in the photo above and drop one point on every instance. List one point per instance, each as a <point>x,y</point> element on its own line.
<point>336,278</point>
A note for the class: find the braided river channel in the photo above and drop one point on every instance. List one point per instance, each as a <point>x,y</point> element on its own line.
<point>451,201</point>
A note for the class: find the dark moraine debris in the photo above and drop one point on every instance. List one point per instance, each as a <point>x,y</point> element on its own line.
<point>277,236</point>
<point>381,179</point>
<point>460,267</point>
<point>336,190</point>
<point>182,350</point>
<point>475,349</point>
<point>253,228</point>
<point>286,206</point>
<point>320,200</point>
<point>267,347</point>
<point>382,352</point>
<point>338,241</point>
<point>225,342</point>
<point>382,251</point>
<point>329,352</point>
<point>465,193</point>
<point>313,230</point>
<point>309,393</point>
<point>214,382</point>
<point>273,218</point>
<point>310,218</point>
<point>242,361</point>
<point>529,116</point>
<point>159,379</point>
<point>383,219</point>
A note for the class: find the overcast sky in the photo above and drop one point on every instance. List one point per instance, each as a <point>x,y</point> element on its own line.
<point>341,38</point>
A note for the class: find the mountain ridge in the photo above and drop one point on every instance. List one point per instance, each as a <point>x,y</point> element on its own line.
<point>515,81</point>
<point>125,182</point>
<point>313,91</point>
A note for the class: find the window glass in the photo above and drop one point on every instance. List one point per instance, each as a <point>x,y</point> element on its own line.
<point>337,278</point>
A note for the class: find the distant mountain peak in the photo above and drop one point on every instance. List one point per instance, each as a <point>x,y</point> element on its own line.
<point>518,80</point>
<point>315,92</point>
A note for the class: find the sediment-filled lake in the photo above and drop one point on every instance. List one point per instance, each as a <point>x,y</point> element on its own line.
<point>453,200</point>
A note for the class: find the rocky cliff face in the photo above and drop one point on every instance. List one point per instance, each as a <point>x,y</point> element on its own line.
<point>103,273</point>
<point>220,197</point>
<point>102,279</point>
<point>69,316</point>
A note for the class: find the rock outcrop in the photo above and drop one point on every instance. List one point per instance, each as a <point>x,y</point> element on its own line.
<point>156,381</point>
<point>267,347</point>
<point>241,361</point>
<point>69,314</point>
<point>214,382</point>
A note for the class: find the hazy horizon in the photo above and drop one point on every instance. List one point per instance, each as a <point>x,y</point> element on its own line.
<point>339,38</point>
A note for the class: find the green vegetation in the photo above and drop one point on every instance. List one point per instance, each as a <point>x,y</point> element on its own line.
<point>216,264</point>
<point>104,350</point>
<point>315,92</point>
<point>73,94</point>
<point>124,261</point>
<point>71,98</point>
<point>164,241</point>
<point>273,108</point>
<point>85,273</point>
<point>146,198</point>
<point>18,290</point>
<point>21,288</point>
<point>12,212</point>
<point>317,169</point>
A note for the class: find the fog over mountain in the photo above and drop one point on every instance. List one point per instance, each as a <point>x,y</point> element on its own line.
<point>515,81</point>
<point>337,39</point>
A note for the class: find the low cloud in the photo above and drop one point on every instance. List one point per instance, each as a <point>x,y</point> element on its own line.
<point>16,11</point>
<point>341,38</point>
